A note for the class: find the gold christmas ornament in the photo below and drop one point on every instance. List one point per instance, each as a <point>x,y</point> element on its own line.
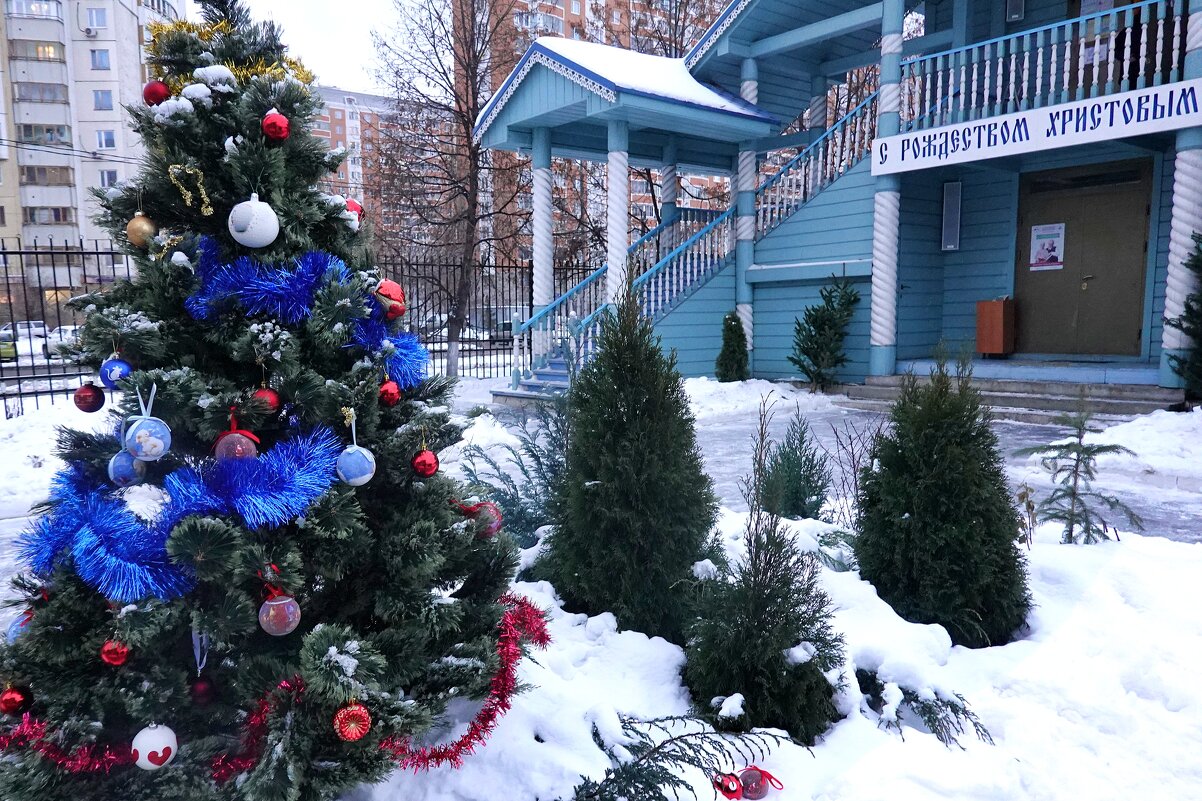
<point>141,230</point>
<point>175,171</point>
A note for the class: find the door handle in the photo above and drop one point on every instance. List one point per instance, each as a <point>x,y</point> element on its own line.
<point>1086,277</point>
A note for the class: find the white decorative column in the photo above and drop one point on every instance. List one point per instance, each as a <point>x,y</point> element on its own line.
<point>886,205</point>
<point>543,279</point>
<point>1186,221</point>
<point>745,182</point>
<point>669,199</point>
<point>617,230</point>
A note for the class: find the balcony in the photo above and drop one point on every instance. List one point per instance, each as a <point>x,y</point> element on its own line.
<point>34,9</point>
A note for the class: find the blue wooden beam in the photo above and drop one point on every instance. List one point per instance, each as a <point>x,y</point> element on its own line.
<point>828,28</point>
<point>769,143</point>
<point>930,43</point>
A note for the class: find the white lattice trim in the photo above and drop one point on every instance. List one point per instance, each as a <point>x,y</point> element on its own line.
<point>1187,219</point>
<point>708,41</point>
<point>538,58</point>
<point>886,215</point>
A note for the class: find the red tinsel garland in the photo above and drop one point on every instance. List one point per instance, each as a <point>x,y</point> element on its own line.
<point>31,734</point>
<point>523,620</point>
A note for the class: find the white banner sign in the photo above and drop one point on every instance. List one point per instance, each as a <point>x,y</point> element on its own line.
<point>1141,111</point>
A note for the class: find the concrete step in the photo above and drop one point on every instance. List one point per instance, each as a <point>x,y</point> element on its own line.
<point>1141,392</point>
<point>552,374</point>
<point>1123,405</point>
<point>545,387</point>
<point>517,397</point>
<point>1005,413</point>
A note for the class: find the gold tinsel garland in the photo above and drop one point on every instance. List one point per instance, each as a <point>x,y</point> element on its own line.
<point>272,70</point>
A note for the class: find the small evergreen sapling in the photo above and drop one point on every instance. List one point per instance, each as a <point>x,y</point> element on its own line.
<point>1073,502</point>
<point>635,509</point>
<point>937,527</point>
<point>798,473</point>
<point>819,334</point>
<point>1189,366</point>
<point>732,359</point>
<point>765,626</point>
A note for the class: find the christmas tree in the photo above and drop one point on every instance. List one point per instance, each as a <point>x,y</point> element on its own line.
<point>254,583</point>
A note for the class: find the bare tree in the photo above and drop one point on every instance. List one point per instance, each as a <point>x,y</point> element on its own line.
<point>441,62</point>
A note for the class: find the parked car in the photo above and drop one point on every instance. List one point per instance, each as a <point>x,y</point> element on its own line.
<point>8,351</point>
<point>22,329</point>
<point>434,328</point>
<point>64,335</point>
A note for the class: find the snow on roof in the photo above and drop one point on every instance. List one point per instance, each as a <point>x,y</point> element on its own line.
<point>608,70</point>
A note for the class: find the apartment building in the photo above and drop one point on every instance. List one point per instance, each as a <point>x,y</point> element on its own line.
<point>69,68</point>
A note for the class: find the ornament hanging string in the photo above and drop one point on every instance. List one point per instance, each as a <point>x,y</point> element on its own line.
<point>272,590</point>
<point>30,734</point>
<point>521,621</point>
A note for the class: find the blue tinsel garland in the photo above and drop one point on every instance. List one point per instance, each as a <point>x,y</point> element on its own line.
<point>126,558</point>
<point>288,292</point>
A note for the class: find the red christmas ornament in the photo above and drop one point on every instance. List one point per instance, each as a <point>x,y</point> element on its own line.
<point>269,397</point>
<point>391,297</point>
<point>486,511</point>
<point>88,398</point>
<point>14,701</point>
<point>728,785</point>
<point>237,443</point>
<point>757,782</point>
<point>202,690</point>
<point>425,463</point>
<point>355,206</point>
<point>352,722</point>
<point>114,653</point>
<point>390,393</point>
<point>155,92</point>
<point>275,126</point>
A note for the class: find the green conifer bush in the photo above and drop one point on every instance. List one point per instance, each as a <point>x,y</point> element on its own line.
<point>732,363</point>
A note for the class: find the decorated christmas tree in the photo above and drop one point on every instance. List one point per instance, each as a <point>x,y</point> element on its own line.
<point>253,583</point>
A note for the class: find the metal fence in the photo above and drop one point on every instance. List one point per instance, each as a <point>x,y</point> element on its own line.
<point>39,278</point>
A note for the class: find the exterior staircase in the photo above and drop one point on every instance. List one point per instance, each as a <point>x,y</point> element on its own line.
<point>550,378</point>
<point>1033,401</point>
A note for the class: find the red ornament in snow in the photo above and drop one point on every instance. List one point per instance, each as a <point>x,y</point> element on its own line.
<point>390,393</point>
<point>354,206</point>
<point>757,782</point>
<point>425,463</point>
<point>202,690</point>
<point>88,398</point>
<point>114,653</point>
<point>14,701</point>
<point>391,297</point>
<point>155,92</point>
<point>352,722</point>
<point>275,126</point>
<point>728,785</point>
<point>269,397</point>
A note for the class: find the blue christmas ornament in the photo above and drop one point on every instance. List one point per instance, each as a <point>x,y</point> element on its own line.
<point>18,627</point>
<point>113,370</point>
<point>146,438</point>
<point>356,466</point>
<point>125,470</point>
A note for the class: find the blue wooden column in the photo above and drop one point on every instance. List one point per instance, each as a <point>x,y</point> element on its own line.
<point>1186,221</point>
<point>745,214</point>
<point>670,189</point>
<point>886,206</point>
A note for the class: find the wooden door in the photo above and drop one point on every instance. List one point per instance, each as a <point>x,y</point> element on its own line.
<point>1092,303</point>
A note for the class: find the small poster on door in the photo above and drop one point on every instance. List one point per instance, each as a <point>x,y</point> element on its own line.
<point>1047,247</point>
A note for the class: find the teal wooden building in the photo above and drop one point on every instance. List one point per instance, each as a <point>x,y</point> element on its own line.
<point>1046,151</point>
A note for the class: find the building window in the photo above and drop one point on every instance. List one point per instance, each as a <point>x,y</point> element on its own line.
<point>102,99</point>
<point>106,140</point>
<point>100,60</point>
<point>354,115</point>
<point>46,134</point>
<point>35,51</point>
<point>368,146</point>
<point>617,16</point>
<point>108,178</point>
<point>48,215</point>
<point>46,176</point>
<point>51,9</point>
<point>575,6</point>
<point>337,129</point>
<point>98,18</point>
<point>3,221</point>
<point>41,92</point>
<point>337,114</point>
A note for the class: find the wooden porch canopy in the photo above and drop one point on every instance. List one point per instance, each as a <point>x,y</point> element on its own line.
<point>575,90</point>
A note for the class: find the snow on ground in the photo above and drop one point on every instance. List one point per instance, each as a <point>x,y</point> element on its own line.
<point>1098,700</point>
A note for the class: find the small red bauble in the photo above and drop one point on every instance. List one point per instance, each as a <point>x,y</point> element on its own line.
<point>392,298</point>
<point>89,398</point>
<point>275,126</point>
<point>114,653</point>
<point>425,463</point>
<point>352,722</point>
<point>14,701</point>
<point>269,398</point>
<point>202,690</point>
<point>728,785</point>
<point>390,393</point>
<point>486,512</point>
<point>355,206</point>
<point>155,92</point>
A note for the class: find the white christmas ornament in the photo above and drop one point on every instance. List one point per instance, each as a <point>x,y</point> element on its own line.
<point>253,223</point>
<point>154,747</point>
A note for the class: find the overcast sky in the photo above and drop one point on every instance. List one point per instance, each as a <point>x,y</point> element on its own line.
<point>332,37</point>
